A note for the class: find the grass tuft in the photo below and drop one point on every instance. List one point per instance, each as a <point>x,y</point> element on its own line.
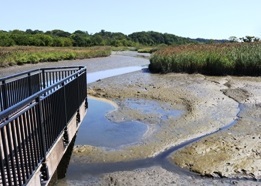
<point>22,55</point>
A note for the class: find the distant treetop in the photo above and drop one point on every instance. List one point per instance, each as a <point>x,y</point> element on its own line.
<point>60,38</point>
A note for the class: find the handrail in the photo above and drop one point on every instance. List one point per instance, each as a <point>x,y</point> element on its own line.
<point>17,87</point>
<point>39,69</point>
<point>28,100</point>
<point>18,74</point>
<point>32,123</point>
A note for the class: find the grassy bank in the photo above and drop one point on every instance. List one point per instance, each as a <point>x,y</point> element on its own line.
<point>215,59</point>
<point>21,55</point>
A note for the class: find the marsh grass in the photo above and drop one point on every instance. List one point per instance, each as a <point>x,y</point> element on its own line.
<point>210,59</point>
<point>21,55</point>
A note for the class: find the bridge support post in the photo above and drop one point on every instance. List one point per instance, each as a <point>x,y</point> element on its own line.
<point>63,165</point>
<point>44,176</point>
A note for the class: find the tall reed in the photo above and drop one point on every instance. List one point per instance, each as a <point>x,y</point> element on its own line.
<point>210,59</point>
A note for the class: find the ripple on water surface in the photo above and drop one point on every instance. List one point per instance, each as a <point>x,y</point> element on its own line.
<point>164,111</point>
<point>97,130</point>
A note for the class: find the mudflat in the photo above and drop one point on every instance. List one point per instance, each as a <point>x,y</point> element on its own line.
<point>208,104</point>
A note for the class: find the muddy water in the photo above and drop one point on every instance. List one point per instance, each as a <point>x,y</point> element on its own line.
<point>153,107</point>
<point>97,130</point>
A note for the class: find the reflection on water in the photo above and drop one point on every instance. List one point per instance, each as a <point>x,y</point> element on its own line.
<point>97,130</point>
<point>164,111</point>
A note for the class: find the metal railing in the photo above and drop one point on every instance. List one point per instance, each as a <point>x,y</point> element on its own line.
<point>35,108</point>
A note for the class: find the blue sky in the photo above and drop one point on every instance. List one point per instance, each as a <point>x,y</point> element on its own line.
<point>212,19</point>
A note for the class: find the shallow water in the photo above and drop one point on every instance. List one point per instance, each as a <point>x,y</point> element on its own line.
<point>95,76</point>
<point>153,107</point>
<point>97,130</point>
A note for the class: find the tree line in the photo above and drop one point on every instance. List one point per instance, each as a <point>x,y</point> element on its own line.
<point>60,38</point>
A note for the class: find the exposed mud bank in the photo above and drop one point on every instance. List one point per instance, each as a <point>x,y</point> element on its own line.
<point>153,176</point>
<point>235,152</point>
<point>209,103</point>
<point>191,93</point>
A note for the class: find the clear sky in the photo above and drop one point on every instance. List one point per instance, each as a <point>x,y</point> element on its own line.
<point>211,19</point>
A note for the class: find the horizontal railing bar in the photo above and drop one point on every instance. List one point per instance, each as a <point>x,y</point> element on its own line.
<point>12,109</point>
<point>65,67</point>
<point>16,114</point>
<point>17,75</point>
<point>40,69</point>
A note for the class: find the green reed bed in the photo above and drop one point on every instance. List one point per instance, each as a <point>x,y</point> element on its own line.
<point>21,55</point>
<point>210,59</point>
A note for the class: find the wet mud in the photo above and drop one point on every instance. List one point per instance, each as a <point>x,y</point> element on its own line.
<point>207,104</point>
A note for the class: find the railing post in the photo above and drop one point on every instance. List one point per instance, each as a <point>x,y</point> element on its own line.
<point>29,83</point>
<point>65,133</point>
<point>78,115</point>
<point>86,103</point>
<point>86,99</point>
<point>2,169</point>
<point>5,101</point>
<point>43,76</point>
<point>44,169</point>
<point>64,98</point>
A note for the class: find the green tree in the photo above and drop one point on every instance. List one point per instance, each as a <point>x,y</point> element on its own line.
<point>249,39</point>
<point>233,39</point>
<point>5,39</point>
<point>46,40</point>
<point>59,33</point>
<point>20,37</point>
<point>80,40</point>
<point>97,40</point>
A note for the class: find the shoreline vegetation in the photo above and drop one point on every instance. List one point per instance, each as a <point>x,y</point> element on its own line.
<point>19,55</point>
<point>209,59</point>
<point>171,53</point>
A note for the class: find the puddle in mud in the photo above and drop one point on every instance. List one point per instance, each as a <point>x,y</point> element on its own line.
<point>153,107</point>
<point>97,130</point>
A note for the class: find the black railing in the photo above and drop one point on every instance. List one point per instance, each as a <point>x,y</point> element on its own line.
<point>18,87</point>
<point>14,89</point>
<point>35,109</point>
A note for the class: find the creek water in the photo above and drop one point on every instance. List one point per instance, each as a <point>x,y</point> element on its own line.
<point>95,76</point>
<point>97,130</point>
